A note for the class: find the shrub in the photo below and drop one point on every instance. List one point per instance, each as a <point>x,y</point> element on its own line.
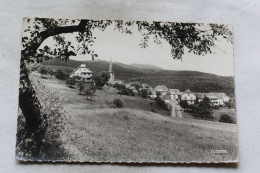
<point>119,86</point>
<point>81,87</point>
<point>101,79</point>
<point>93,88</point>
<point>153,110</point>
<point>203,110</point>
<point>231,104</point>
<point>226,118</point>
<point>70,81</point>
<point>144,93</point>
<point>43,70</point>
<point>51,72</point>
<point>60,74</point>
<point>88,91</point>
<point>126,91</point>
<point>161,103</point>
<point>203,113</point>
<point>115,103</point>
<point>118,103</point>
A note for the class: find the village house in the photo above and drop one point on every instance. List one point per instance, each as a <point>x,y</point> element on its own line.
<point>161,89</point>
<point>188,97</point>
<point>175,94</point>
<point>213,100</point>
<point>221,98</point>
<point>82,72</point>
<point>200,97</point>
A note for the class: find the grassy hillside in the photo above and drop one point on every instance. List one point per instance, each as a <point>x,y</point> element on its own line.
<point>146,66</point>
<point>195,81</point>
<point>98,133</point>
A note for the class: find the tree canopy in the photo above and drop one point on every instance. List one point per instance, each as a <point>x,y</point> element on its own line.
<point>197,38</point>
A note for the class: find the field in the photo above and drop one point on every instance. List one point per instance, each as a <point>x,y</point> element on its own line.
<point>98,133</point>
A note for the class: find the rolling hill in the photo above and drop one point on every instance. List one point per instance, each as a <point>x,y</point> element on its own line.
<point>152,75</point>
<point>146,66</point>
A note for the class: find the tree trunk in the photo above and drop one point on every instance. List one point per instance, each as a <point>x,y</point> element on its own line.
<point>28,101</point>
<point>35,124</point>
<point>30,107</point>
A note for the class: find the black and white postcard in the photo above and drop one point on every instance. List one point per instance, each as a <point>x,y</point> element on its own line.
<point>126,91</point>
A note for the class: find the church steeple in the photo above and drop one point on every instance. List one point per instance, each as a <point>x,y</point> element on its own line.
<point>111,73</point>
<point>110,66</point>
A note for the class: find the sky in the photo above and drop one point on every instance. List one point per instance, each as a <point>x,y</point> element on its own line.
<point>125,48</point>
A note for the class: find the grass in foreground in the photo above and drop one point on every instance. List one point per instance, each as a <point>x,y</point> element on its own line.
<point>98,133</point>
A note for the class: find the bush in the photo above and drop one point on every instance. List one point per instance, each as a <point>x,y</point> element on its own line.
<point>202,113</point>
<point>161,103</point>
<point>118,103</point>
<point>101,79</point>
<point>144,93</point>
<point>153,110</point>
<point>115,103</point>
<point>60,74</point>
<point>89,91</point>
<point>93,88</point>
<point>127,92</point>
<point>203,110</point>
<point>81,87</point>
<point>226,118</point>
<point>43,71</point>
<point>119,86</point>
<point>231,104</point>
<point>70,82</point>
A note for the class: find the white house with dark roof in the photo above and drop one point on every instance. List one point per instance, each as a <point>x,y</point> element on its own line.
<point>188,97</point>
<point>175,94</point>
<point>221,98</point>
<point>82,72</point>
<point>162,89</point>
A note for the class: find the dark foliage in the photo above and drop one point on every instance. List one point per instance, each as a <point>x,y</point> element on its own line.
<point>161,103</point>
<point>144,93</point>
<point>81,87</point>
<point>119,86</point>
<point>43,70</point>
<point>123,90</point>
<point>126,91</point>
<point>226,118</point>
<point>153,110</point>
<point>88,90</point>
<point>61,75</point>
<point>231,104</point>
<point>70,82</point>
<point>118,103</point>
<point>202,110</point>
<point>101,79</point>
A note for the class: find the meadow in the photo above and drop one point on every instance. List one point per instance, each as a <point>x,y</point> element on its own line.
<point>95,132</point>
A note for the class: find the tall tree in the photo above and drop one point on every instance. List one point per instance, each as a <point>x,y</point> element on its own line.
<point>196,38</point>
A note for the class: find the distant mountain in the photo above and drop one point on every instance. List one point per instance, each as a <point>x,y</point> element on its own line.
<point>122,71</point>
<point>152,75</point>
<point>146,66</point>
